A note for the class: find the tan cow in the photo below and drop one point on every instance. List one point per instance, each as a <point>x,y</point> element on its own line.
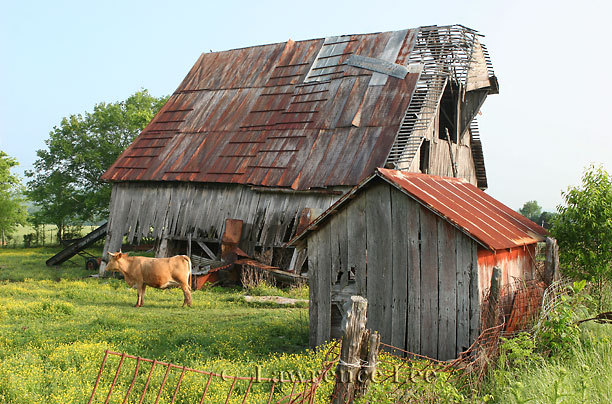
<point>161,273</point>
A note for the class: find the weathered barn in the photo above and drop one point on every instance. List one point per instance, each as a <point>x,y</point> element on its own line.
<point>421,249</point>
<point>269,133</point>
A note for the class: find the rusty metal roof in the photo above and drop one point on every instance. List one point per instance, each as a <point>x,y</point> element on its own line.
<point>299,115</point>
<point>482,217</point>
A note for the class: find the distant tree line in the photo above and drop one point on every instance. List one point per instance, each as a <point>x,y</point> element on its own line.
<point>532,211</point>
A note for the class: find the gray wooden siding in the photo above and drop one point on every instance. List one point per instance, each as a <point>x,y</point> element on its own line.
<point>177,210</point>
<point>418,272</point>
<point>440,155</point>
<point>440,159</point>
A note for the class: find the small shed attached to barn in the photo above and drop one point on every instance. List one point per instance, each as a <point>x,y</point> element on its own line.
<point>421,249</point>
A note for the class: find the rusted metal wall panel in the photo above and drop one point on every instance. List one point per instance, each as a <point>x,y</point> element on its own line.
<point>515,263</point>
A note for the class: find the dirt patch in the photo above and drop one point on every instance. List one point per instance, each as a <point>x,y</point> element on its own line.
<point>274,299</point>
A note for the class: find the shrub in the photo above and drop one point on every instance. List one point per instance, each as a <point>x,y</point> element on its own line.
<point>559,330</point>
<point>583,229</point>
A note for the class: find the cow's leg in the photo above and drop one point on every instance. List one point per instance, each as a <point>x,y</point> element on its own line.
<point>141,291</point>
<point>187,293</point>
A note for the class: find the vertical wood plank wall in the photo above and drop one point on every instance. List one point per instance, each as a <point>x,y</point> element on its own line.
<point>179,210</point>
<point>418,272</point>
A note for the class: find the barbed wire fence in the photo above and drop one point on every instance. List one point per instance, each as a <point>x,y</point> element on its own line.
<point>516,307</point>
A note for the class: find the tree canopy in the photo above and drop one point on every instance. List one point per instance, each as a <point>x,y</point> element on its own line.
<point>12,204</point>
<point>65,182</point>
<point>583,228</point>
<point>531,210</point>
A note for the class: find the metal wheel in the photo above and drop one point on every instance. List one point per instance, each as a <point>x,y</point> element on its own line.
<point>92,264</point>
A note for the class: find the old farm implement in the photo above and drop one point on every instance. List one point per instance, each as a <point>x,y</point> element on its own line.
<point>78,246</point>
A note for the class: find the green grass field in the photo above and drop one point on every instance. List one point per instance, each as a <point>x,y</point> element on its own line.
<point>55,324</point>
<point>50,236</point>
<point>580,375</point>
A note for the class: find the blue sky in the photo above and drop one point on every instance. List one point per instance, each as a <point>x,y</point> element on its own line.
<point>552,59</point>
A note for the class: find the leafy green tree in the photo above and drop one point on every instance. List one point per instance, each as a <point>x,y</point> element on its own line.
<point>12,204</point>
<point>531,210</point>
<point>583,229</point>
<point>546,219</point>
<point>65,183</point>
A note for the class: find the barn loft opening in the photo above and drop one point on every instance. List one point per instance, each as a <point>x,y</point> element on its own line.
<point>424,157</point>
<point>447,126</point>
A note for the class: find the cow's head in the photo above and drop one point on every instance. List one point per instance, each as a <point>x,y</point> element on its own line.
<point>116,259</point>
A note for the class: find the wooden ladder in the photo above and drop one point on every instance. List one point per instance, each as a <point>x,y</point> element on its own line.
<point>445,53</point>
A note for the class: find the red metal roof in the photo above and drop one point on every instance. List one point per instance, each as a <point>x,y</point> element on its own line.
<point>488,221</point>
<point>291,114</point>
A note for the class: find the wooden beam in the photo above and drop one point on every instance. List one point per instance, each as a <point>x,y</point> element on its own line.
<point>324,284</point>
<point>491,319</point>
<point>370,345</point>
<point>207,250</point>
<point>313,289</point>
<point>413,316</point>
<point>379,261</point>
<point>189,245</point>
<point>475,294</point>
<point>551,267</point>
<point>464,268</point>
<point>399,254</point>
<point>447,290</point>
<point>429,283</point>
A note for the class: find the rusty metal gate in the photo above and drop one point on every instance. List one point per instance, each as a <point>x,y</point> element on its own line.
<point>130,379</point>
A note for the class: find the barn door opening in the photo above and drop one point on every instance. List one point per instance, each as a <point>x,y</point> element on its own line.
<point>447,124</point>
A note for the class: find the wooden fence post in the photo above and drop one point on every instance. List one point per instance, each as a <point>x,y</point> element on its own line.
<point>349,365</point>
<point>369,356</point>
<point>551,266</point>
<point>494,298</point>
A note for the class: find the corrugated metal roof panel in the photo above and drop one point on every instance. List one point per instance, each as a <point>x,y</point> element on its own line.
<point>463,204</point>
<point>488,220</point>
<point>481,216</point>
<point>250,116</point>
